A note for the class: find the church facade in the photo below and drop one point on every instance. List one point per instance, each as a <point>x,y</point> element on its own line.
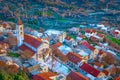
<point>30,46</point>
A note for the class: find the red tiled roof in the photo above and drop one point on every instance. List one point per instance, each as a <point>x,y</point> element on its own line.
<point>98,64</point>
<point>19,22</point>
<point>58,44</point>
<point>76,76</point>
<point>82,36</point>
<point>106,72</point>
<point>44,76</point>
<point>92,48</point>
<point>101,52</point>
<point>90,30</point>
<point>115,33</point>
<point>89,69</point>
<point>93,38</point>
<point>68,38</point>
<point>34,42</point>
<point>24,48</point>
<point>100,35</point>
<point>36,77</point>
<point>74,57</point>
<point>86,44</point>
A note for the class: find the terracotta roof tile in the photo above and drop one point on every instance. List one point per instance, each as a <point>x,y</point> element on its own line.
<point>44,76</point>
<point>74,57</point>
<point>98,64</point>
<point>34,42</point>
<point>93,38</point>
<point>19,22</point>
<point>68,38</point>
<point>58,44</point>
<point>86,44</point>
<point>106,72</point>
<point>89,69</point>
<point>90,30</point>
<point>101,52</point>
<point>76,76</point>
<point>24,47</point>
<point>100,35</point>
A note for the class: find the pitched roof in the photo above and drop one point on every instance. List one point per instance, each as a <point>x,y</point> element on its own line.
<point>5,25</point>
<point>100,35</point>
<point>68,38</point>
<point>57,44</point>
<point>76,76</point>
<point>24,47</point>
<point>81,36</point>
<point>98,64</point>
<point>86,44</point>
<point>93,38</point>
<point>90,30</point>
<point>19,22</point>
<point>106,72</point>
<point>89,69</point>
<point>34,42</point>
<point>29,52</point>
<point>101,52</point>
<point>74,57</point>
<point>44,76</point>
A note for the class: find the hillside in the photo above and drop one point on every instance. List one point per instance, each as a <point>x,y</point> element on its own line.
<point>39,13</point>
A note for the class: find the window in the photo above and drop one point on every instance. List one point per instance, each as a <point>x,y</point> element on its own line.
<point>21,33</point>
<point>20,28</point>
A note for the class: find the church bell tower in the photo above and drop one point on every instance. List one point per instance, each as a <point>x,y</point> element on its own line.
<point>20,32</point>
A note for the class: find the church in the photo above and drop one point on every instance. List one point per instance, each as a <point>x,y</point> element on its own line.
<point>30,46</point>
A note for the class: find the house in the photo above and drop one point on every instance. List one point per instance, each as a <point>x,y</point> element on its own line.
<point>101,36</point>
<point>55,35</point>
<point>101,53</point>
<point>45,76</point>
<point>106,72</point>
<point>116,33</point>
<point>102,27</point>
<point>82,51</point>
<point>69,41</point>
<point>3,48</point>
<point>57,44</point>
<point>88,69</point>
<point>80,37</point>
<point>90,32</point>
<point>65,49</point>
<point>97,65</point>
<point>74,60</point>
<point>74,30</point>
<point>6,59</point>
<point>61,52</point>
<point>33,67</point>
<point>30,44</point>
<point>4,27</point>
<point>94,51</point>
<point>94,39</point>
<point>76,76</point>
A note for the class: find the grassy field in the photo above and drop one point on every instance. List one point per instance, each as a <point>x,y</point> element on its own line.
<point>13,54</point>
<point>114,40</point>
